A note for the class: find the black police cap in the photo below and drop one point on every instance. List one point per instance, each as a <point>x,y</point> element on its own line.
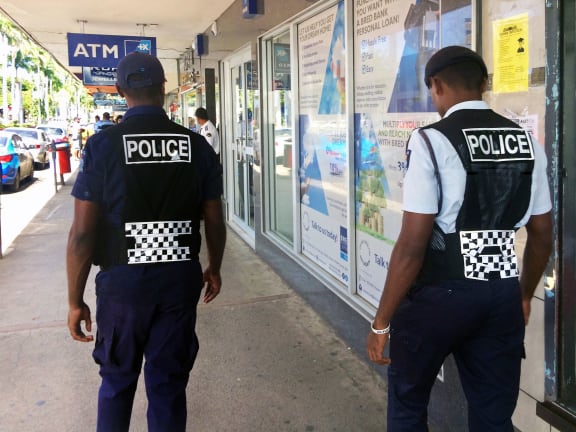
<point>449,56</point>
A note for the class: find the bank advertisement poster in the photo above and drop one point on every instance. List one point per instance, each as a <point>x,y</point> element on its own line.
<point>323,170</point>
<point>393,40</point>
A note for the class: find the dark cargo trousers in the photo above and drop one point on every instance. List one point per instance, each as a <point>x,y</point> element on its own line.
<point>165,335</point>
<point>482,324</point>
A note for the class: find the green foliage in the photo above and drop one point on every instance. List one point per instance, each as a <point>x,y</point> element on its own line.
<point>42,79</point>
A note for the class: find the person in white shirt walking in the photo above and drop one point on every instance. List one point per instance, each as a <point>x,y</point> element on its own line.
<point>207,129</point>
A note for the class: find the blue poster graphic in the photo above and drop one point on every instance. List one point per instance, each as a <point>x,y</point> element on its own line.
<point>371,183</point>
<point>421,40</point>
<point>333,99</point>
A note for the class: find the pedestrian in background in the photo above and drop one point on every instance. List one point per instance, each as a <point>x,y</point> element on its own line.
<point>207,129</point>
<point>453,285</point>
<point>76,135</point>
<point>138,201</point>
<point>106,122</point>
<point>192,124</point>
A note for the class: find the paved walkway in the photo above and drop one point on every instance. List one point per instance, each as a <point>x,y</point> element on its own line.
<point>267,361</point>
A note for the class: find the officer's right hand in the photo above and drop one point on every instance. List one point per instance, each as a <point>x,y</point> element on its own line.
<point>375,344</point>
<point>213,283</point>
<point>75,317</point>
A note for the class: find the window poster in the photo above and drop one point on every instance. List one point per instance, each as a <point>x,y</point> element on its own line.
<point>323,171</point>
<point>393,40</point>
<point>511,54</point>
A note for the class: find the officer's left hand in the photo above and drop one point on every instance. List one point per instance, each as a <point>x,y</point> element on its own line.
<point>213,283</point>
<point>375,345</point>
<point>75,317</point>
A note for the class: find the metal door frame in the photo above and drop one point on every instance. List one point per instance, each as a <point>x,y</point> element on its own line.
<point>238,59</point>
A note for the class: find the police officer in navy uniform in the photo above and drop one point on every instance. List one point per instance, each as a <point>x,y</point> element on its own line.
<point>453,285</point>
<point>138,199</point>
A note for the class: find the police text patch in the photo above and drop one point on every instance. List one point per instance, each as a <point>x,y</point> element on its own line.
<point>156,148</point>
<point>498,144</point>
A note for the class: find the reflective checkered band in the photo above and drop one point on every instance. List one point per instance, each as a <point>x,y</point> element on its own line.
<point>157,241</point>
<point>486,252</point>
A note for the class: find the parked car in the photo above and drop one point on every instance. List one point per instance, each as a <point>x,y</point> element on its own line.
<point>37,142</point>
<point>57,134</point>
<point>16,160</point>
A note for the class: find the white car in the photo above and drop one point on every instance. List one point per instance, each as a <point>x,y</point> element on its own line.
<point>56,133</point>
<point>37,142</point>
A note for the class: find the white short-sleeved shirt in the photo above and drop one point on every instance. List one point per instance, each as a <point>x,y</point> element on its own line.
<point>421,188</point>
<point>209,131</point>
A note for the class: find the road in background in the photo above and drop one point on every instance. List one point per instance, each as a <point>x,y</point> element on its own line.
<point>18,208</point>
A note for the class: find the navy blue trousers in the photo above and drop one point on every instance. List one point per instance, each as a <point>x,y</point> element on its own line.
<point>164,334</point>
<point>482,325</point>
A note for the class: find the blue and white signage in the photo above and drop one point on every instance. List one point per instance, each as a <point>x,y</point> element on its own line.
<point>97,76</point>
<point>249,8</point>
<point>105,51</point>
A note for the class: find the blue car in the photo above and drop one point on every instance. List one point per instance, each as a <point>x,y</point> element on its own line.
<point>17,161</point>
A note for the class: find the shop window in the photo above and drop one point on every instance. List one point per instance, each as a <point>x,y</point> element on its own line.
<point>392,43</point>
<point>279,143</point>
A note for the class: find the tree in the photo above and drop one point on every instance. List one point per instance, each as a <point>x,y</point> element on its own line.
<point>53,83</point>
<point>9,36</point>
<point>23,60</point>
<point>52,88</point>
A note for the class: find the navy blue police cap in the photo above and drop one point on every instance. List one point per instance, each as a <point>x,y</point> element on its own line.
<point>138,70</point>
<point>449,56</point>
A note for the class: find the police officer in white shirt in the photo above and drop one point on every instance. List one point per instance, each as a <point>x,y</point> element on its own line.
<point>454,284</point>
<point>207,129</point>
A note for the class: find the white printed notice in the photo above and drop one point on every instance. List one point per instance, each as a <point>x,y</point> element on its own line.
<point>323,150</point>
<point>393,40</point>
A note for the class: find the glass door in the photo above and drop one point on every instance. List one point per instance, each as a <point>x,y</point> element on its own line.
<point>243,98</point>
<point>278,141</point>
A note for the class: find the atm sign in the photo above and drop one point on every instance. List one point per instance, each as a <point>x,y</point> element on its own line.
<point>105,50</point>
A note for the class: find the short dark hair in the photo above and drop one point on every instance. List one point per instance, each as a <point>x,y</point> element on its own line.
<point>466,75</point>
<point>146,94</point>
<point>201,113</point>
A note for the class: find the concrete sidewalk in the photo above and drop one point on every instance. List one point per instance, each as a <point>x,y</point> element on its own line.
<point>267,361</point>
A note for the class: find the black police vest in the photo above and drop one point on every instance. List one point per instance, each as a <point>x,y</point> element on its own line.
<point>498,157</point>
<point>160,209</point>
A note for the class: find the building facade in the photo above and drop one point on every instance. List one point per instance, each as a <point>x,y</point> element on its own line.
<point>314,117</point>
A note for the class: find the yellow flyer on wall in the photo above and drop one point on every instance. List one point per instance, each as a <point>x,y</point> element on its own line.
<point>511,53</point>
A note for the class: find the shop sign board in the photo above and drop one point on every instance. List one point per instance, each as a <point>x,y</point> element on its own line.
<point>98,76</point>
<point>95,50</point>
